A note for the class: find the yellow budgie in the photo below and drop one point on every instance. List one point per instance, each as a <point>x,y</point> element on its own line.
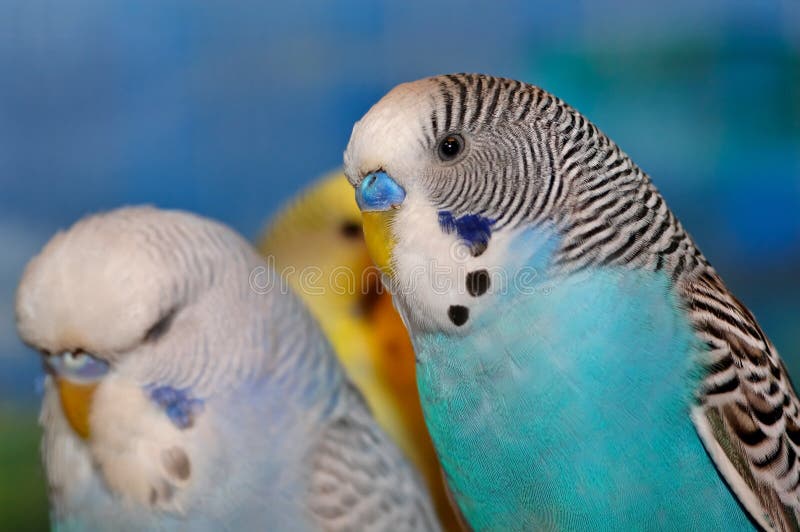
<point>317,245</point>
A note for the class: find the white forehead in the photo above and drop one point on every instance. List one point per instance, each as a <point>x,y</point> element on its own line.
<point>99,285</point>
<point>393,133</point>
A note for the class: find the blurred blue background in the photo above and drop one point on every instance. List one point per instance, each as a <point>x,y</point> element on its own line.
<point>229,108</point>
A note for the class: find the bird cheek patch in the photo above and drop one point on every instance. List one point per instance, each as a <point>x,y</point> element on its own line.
<point>475,230</point>
<point>177,403</point>
<point>141,453</point>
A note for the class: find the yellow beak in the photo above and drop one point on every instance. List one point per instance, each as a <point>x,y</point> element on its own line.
<point>379,238</point>
<point>76,401</point>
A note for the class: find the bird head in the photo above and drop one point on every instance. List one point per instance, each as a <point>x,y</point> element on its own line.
<point>141,316</point>
<point>445,170</point>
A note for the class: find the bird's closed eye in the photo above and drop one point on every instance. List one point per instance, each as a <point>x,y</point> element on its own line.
<point>160,327</point>
<point>77,365</point>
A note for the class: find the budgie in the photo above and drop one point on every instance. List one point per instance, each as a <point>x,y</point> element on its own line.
<point>317,243</point>
<point>580,363</point>
<point>186,390</point>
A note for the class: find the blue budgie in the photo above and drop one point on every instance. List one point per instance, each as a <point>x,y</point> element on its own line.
<point>580,363</point>
<point>188,390</point>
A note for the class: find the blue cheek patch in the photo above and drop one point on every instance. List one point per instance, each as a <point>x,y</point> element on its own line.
<point>179,406</point>
<point>473,229</point>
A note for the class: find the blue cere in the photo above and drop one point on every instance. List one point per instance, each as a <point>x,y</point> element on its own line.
<point>379,192</point>
<point>474,229</point>
<point>178,404</point>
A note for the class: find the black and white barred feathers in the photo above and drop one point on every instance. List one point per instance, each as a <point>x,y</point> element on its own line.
<point>538,160</point>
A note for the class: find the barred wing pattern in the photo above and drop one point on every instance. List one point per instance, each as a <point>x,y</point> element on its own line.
<point>747,405</point>
<point>533,159</point>
<point>359,481</point>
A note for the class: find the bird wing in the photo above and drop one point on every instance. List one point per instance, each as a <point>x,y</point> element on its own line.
<point>321,230</point>
<point>360,482</point>
<point>747,411</point>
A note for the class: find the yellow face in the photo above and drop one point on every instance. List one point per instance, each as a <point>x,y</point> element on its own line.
<point>379,238</point>
<point>378,197</point>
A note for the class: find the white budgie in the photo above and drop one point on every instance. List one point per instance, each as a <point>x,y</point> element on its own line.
<point>187,390</point>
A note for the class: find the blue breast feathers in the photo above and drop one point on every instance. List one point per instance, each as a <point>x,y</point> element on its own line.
<point>569,409</point>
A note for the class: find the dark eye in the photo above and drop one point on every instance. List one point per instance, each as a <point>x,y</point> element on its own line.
<point>160,327</point>
<point>450,147</point>
<point>350,229</point>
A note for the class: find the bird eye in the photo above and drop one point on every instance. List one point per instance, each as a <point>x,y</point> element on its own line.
<point>450,147</point>
<point>77,365</point>
<point>350,229</point>
<point>74,359</point>
<point>160,327</point>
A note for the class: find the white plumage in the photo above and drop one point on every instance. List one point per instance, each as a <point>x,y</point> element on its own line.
<point>221,406</point>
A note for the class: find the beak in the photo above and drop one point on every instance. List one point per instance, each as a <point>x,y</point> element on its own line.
<point>379,196</point>
<point>77,375</point>
<point>378,192</point>
<point>76,401</point>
